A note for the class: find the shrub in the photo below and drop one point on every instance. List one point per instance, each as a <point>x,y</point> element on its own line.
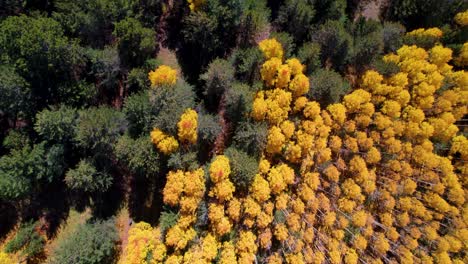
<point>386,68</point>
<point>208,129</point>
<point>367,42</point>
<point>138,155</point>
<point>309,55</point>
<point>392,36</point>
<point>251,137</point>
<point>98,128</point>
<point>243,168</point>
<point>335,43</point>
<point>137,80</point>
<point>217,79</point>
<point>327,87</point>
<point>85,177</point>
<point>138,113</point>
<point>16,139</point>
<point>105,68</point>
<point>135,42</point>
<point>330,10</point>
<point>167,220</point>
<point>57,125</point>
<point>422,41</point>
<point>287,41</point>
<point>27,168</point>
<point>167,105</point>
<point>254,20</point>
<point>91,243</point>
<point>238,101</point>
<point>296,17</point>
<point>28,240</point>
<point>247,64</point>
<point>16,94</point>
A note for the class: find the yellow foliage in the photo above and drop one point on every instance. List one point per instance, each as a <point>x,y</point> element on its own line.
<point>462,18</point>
<point>275,140</point>
<point>143,241</point>
<point>271,48</point>
<point>165,143</point>
<point>219,168</point>
<point>163,75</point>
<point>260,189</point>
<point>187,126</point>
<point>269,70</point>
<point>430,32</point>
<point>295,65</point>
<point>5,258</point>
<point>299,85</point>
<point>195,4</point>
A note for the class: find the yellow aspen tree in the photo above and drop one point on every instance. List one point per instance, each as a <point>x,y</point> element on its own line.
<point>163,75</point>
<point>271,48</point>
<point>187,126</point>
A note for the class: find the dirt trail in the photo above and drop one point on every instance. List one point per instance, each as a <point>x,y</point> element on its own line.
<point>123,226</point>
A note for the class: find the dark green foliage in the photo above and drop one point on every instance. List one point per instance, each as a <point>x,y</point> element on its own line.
<point>168,104</point>
<point>167,220</point>
<point>296,17</point>
<point>335,44</point>
<point>209,34</point>
<point>138,113</point>
<point>16,94</point>
<point>327,87</point>
<point>85,177</point>
<point>202,216</point>
<point>57,126</point>
<point>10,7</point>
<point>247,63</point>
<point>28,239</point>
<point>309,55</point>
<point>287,41</point>
<point>55,161</point>
<point>423,41</point>
<point>98,128</point>
<point>105,67</point>
<point>254,20</point>
<point>330,10</point>
<point>26,168</point>
<point>91,21</point>
<point>279,216</point>
<point>392,36</point>
<point>78,93</point>
<point>387,69</point>
<point>199,33</point>
<point>243,168</point>
<point>137,80</point>
<point>138,155</point>
<point>238,101</point>
<point>42,55</point>
<point>16,139</point>
<point>367,43</point>
<point>208,128</point>
<point>218,78</point>
<point>251,137</point>
<point>91,243</point>
<point>183,161</point>
<point>135,42</point>
<point>424,13</point>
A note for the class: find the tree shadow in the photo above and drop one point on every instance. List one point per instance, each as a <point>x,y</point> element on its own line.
<point>8,218</point>
<point>146,199</point>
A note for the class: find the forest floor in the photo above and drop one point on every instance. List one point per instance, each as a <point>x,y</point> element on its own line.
<point>67,228</point>
<point>8,237</point>
<point>122,222</point>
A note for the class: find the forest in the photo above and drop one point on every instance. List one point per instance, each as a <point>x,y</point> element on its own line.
<point>233,131</point>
